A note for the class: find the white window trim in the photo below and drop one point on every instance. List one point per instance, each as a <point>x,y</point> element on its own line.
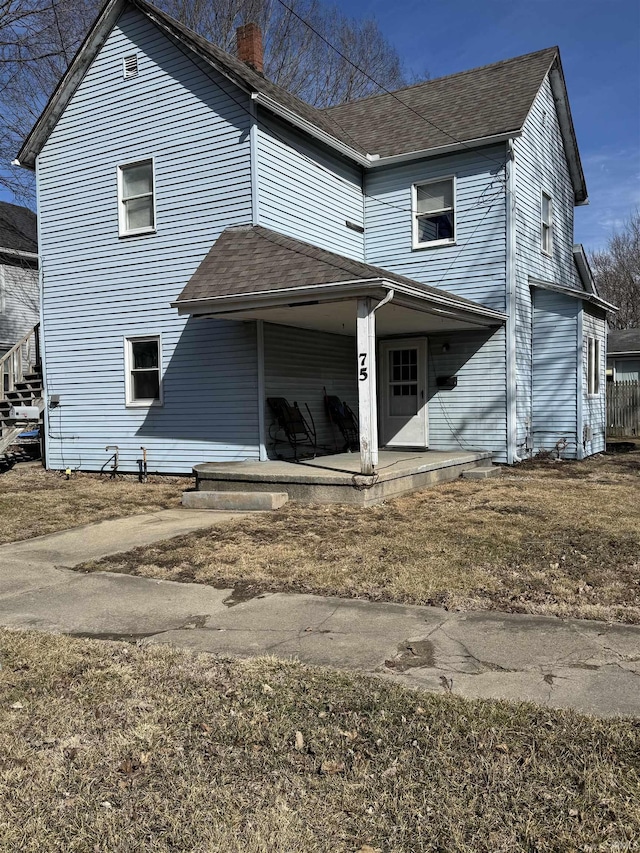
<point>549,225</point>
<point>594,372</point>
<point>414,213</point>
<point>130,403</point>
<point>122,229</point>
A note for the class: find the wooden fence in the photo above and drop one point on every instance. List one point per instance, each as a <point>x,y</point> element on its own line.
<point>623,409</point>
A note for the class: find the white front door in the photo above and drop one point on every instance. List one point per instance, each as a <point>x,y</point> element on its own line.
<point>403,409</point>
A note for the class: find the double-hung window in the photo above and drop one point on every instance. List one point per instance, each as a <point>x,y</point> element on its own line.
<point>136,198</point>
<point>434,213</point>
<point>593,366</point>
<point>143,359</point>
<point>546,224</point>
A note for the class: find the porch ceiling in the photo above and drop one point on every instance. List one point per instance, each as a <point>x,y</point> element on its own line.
<point>339,317</point>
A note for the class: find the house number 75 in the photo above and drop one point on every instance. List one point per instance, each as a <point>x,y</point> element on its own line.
<point>363,370</point>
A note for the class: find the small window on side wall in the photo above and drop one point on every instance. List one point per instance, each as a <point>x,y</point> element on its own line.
<point>136,198</point>
<point>143,359</point>
<point>434,213</point>
<point>546,224</point>
<point>593,366</point>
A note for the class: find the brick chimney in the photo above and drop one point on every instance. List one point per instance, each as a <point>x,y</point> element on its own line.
<point>249,42</point>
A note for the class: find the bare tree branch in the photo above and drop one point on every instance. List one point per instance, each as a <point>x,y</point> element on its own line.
<point>38,38</point>
<point>616,271</point>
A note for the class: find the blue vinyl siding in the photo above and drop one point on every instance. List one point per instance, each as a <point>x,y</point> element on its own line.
<point>307,192</point>
<point>99,288</point>
<point>471,416</point>
<point>299,364</point>
<point>475,266</point>
<point>541,165</point>
<point>554,363</point>
<point>594,407</point>
<point>19,303</point>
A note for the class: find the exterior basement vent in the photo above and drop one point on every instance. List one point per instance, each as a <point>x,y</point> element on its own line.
<point>130,66</point>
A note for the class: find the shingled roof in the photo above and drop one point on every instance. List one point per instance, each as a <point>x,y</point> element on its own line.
<point>476,104</point>
<point>18,228</point>
<point>623,340</point>
<point>249,259</point>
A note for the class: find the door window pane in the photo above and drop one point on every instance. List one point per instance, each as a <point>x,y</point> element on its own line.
<point>403,378</point>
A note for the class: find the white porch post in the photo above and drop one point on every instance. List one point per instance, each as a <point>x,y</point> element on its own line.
<point>367,386</point>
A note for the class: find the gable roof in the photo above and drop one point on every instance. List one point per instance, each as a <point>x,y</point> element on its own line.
<point>470,108</point>
<point>18,228</point>
<point>623,341</point>
<point>251,259</point>
<point>483,102</point>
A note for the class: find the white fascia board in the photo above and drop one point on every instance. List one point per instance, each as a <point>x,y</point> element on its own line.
<point>584,270</point>
<point>559,91</point>
<point>376,160</point>
<point>313,130</point>
<point>576,294</point>
<point>68,84</point>
<point>339,291</point>
<point>334,291</point>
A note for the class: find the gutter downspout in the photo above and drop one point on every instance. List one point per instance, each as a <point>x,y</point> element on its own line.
<point>511,306</point>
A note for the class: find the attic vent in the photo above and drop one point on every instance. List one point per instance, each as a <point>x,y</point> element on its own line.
<point>130,66</point>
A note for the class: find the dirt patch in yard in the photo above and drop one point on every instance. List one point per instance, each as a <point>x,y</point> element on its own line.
<point>34,501</point>
<point>552,538</point>
<point>111,748</point>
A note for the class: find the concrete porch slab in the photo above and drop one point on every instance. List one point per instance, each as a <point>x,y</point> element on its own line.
<point>337,478</point>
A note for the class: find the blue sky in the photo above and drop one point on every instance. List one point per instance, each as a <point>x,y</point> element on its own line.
<point>599,44</point>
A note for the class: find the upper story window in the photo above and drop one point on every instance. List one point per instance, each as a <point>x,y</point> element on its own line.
<point>593,366</point>
<point>433,213</point>
<point>136,198</point>
<point>142,364</point>
<point>546,222</point>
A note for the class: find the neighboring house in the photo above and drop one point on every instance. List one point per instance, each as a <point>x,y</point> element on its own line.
<point>19,301</point>
<point>623,355</point>
<point>208,240</point>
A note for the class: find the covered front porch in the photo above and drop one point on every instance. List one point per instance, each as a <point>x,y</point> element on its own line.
<point>337,478</point>
<point>389,346</point>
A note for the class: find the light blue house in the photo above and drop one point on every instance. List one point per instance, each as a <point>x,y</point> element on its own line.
<point>208,240</point>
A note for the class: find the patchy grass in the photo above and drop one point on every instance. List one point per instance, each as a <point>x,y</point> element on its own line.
<point>109,747</point>
<point>552,538</point>
<point>34,501</point>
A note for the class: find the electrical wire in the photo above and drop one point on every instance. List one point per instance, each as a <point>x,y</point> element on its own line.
<point>379,85</point>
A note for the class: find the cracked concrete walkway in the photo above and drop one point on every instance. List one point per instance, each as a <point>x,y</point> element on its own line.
<point>590,666</point>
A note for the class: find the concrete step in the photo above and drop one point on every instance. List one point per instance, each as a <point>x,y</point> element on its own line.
<point>482,473</point>
<point>240,501</point>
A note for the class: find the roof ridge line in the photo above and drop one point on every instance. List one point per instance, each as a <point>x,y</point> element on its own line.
<point>395,92</point>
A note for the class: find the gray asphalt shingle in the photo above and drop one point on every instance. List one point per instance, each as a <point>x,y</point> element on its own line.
<point>18,228</point>
<point>253,259</point>
<point>474,104</point>
<point>623,340</point>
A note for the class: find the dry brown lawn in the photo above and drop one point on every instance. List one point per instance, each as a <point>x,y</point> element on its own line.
<point>111,748</point>
<point>554,538</point>
<point>34,501</point>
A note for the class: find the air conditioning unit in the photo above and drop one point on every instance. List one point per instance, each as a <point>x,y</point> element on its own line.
<point>24,413</point>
